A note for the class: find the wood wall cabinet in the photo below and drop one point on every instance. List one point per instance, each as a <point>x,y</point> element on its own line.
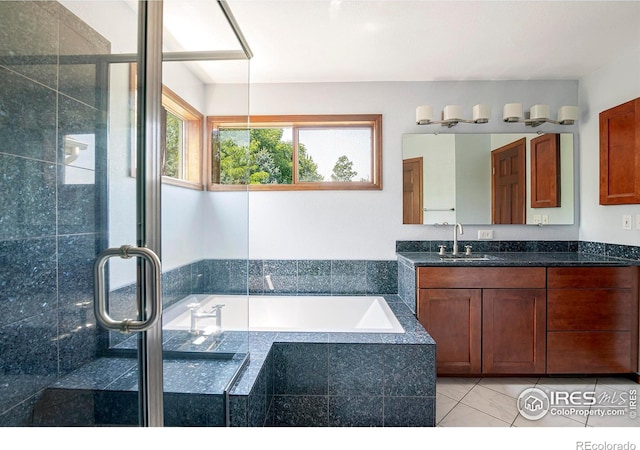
<point>545,171</point>
<point>592,322</point>
<point>620,154</point>
<point>485,320</point>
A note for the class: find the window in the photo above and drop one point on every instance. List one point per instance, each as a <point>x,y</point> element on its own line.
<point>295,152</point>
<point>181,141</point>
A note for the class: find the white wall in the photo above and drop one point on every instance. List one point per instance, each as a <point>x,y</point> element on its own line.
<point>182,209</point>
<point>366,224</point>
<point>438,153</point>
<point>611,85</point>
<point>473,179</point>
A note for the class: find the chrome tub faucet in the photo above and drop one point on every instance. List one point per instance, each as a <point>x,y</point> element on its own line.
<point>197,314</point>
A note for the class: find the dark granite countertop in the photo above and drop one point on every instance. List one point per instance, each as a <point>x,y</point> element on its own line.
<point>505,259</point>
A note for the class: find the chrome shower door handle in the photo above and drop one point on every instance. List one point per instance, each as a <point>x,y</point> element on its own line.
<point>100,301</point>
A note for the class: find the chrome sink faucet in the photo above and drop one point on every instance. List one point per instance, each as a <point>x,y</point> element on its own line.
<point>457,227</point>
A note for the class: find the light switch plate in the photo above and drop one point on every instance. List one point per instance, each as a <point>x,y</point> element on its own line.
<point>626,221</point>
<point>637,221</point>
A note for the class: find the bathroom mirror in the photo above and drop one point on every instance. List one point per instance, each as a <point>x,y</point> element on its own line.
<point>449,178</point>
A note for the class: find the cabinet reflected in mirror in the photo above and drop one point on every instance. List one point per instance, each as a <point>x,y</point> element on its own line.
<point>485,179</point>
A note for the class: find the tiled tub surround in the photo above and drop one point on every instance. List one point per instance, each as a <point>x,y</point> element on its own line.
<point>291,379</point>
<point>412,254</point>
<point>339,379</point>
<point>290,277</point>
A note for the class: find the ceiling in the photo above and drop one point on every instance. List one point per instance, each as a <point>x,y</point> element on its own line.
<point>401,40</point>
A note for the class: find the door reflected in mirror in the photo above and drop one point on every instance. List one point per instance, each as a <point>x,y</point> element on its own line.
<point>488,179</point>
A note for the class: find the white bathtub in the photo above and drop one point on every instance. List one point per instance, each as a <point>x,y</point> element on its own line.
<point>287,313</point>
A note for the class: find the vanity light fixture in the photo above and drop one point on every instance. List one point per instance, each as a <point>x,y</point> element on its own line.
<point>539,114</point>
<point>452,115</point>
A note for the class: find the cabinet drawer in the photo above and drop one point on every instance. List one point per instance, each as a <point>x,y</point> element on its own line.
<point>481,277</point>
<point>581,309</point>
<point>584,352</point>
<point>590,277</point>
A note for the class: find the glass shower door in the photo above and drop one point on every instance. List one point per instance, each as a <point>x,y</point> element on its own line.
<point>195,352</point>
<point>84,119</point>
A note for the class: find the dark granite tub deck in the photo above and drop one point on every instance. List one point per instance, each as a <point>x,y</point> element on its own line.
<point>290,379</point>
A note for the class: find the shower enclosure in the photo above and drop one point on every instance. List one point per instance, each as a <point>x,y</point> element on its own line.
<point>104,157</point>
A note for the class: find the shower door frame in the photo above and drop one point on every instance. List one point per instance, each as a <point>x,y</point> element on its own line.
<point>149,182</point>
<point>148,206</point>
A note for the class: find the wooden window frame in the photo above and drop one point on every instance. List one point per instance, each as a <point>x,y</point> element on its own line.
<point>301,121</point>
<point>194,123</point>
<point>192,158</point>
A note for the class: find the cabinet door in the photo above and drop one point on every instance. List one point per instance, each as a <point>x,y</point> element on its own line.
<point>545,171</point>
<point>620,154</point>
<point>514,331</point>
<point>453,318</point>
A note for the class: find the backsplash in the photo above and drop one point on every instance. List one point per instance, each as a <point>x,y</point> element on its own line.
<point>490,246</point>
<point>289,277</point>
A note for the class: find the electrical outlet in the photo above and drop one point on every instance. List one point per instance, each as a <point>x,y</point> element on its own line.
<point>637,221</point>
<point>485,234</point>
<point>626,222</point>
<point>537,218</point>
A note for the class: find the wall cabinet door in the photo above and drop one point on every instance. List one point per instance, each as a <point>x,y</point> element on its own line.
<point>620,154</point>
<point>545,171</point>
<point>453,318</point>
<point>514,331</point>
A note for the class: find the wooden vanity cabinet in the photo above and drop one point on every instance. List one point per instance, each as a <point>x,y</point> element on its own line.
<point>514,331</point>
<point>453,317</point>
<point>485,320</point>
<point>592,322</point>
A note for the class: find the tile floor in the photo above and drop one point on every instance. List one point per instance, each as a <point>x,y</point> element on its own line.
<point>492,402</point>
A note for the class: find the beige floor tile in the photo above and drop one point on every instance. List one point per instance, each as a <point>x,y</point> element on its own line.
<point>494,403</point>
<point>444,405</point>
<point>511,386</point>
<point>466,416</point>
<point>547,421</point>
<point>611,420</point>
<point>454,387</point>
<point>623,384</point>
<point>567,384</point>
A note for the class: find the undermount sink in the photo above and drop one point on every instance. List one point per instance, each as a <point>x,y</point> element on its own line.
<point>467,258</point>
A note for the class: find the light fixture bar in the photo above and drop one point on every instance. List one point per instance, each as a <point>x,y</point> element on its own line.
<point>539,114</point>
<point>452,115</point>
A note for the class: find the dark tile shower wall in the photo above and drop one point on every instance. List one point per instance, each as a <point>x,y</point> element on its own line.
<point>48,229</point>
